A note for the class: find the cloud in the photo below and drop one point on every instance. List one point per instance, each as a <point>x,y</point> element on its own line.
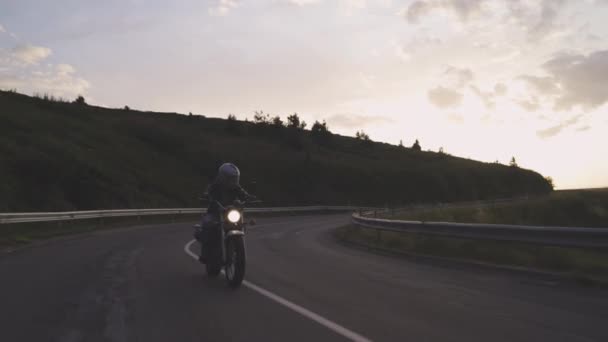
<point>545,85</point>
<point>20,69</point>
<point>487,97</point>
<point>500,89</point>
<point>458,77</point>
<point>302,2</point>
<point>547,23</point>
<point>554,130</point>
<point>449,92</point>
<point>455,118</point>
<point>582,79</point>
<point>59,80</point>
<point>65,69</point>
<point>461,9</point>
<point>421,41</point>
<point>583,128</point>
<point>347,120</point>
<point>2,29</point>
<point>444,97</point>
<point>537,18</point>
<point>573,80</point>
<point>530,105</point>
<point>223,7</point>
<point>417,10</point>
<point>401,52</point>
<point>29,54</point>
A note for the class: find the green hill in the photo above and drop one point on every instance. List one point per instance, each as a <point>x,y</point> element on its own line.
<point>68,156</point>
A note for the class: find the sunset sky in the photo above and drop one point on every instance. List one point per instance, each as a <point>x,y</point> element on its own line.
<point>484,79</point>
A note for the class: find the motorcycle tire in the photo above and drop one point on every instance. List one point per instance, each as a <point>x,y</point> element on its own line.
<point>235,265</point>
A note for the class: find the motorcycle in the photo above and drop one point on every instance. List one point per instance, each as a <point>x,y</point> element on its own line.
<point>225,245</point>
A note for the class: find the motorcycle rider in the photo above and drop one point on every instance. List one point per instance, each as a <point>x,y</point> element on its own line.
<point>225,189</point>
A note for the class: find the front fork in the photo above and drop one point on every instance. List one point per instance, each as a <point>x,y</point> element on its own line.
<point>224,238</point>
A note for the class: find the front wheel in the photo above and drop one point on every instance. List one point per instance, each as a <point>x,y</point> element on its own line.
<point>235,263</point>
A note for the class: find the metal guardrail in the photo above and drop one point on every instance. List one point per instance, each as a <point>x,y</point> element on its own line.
<point>544,235</point>
<point>6,218</point>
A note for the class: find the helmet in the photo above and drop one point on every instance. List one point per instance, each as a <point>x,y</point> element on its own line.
<point>229,175</point>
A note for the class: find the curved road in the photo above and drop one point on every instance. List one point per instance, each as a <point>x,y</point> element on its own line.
<point>141,284</point>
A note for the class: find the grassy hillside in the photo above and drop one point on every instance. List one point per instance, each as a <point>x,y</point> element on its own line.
<point>578,208</point>
<point>63,156</point>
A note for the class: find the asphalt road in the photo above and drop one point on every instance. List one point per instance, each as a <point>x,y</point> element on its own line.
<point>142,284</point>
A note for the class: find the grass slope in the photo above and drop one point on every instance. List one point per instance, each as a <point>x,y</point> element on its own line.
<point>578,208</point>
<point>66,156</point>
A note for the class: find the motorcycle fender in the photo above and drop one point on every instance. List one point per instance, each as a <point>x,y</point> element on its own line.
<point>234,232</point>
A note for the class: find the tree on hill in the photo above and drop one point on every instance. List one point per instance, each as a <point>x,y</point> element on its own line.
<point>277,122</point>
<point>232,125</point>
<point>416,146</point>
<point>364,137</point>
<point>293,121</point>
<point>320,132</point>
<point>361,135</point>
<point>401,143</point>
<point>80,100</point>
<point>550,181</point>
<point>259,117</point>
<point>513,162</point>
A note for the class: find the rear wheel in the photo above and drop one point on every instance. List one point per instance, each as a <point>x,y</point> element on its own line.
<point>235,261</point>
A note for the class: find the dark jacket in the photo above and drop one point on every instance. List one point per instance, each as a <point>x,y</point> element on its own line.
<point>225,195</point>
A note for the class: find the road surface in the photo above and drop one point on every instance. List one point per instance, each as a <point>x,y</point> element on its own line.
<point>142,284</point>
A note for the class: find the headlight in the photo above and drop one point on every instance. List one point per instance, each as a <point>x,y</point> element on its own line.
<point>234,216</point>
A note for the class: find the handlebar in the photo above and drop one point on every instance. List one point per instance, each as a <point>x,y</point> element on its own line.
<point>207,199</point>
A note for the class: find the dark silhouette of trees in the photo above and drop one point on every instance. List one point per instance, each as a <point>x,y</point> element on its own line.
<point>277,122</point>
<point>364,138</point>
<point>293,121</point>
<point>416,146</point>
<point>549,180</point>
<point>232,124</point>
<point>361,135</point>
<point>513,162</point>
<point>80,100</point>
<point>401,143</point>
<point>259,117</point>
<point>320,132</point>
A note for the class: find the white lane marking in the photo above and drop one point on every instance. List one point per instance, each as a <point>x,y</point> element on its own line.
<point>189,252</point>
<point>335,327</point>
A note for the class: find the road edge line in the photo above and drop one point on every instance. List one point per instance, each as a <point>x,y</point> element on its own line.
<point>335,327</point>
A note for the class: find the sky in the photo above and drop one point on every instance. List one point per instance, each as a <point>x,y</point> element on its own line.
<point>482,79</point>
